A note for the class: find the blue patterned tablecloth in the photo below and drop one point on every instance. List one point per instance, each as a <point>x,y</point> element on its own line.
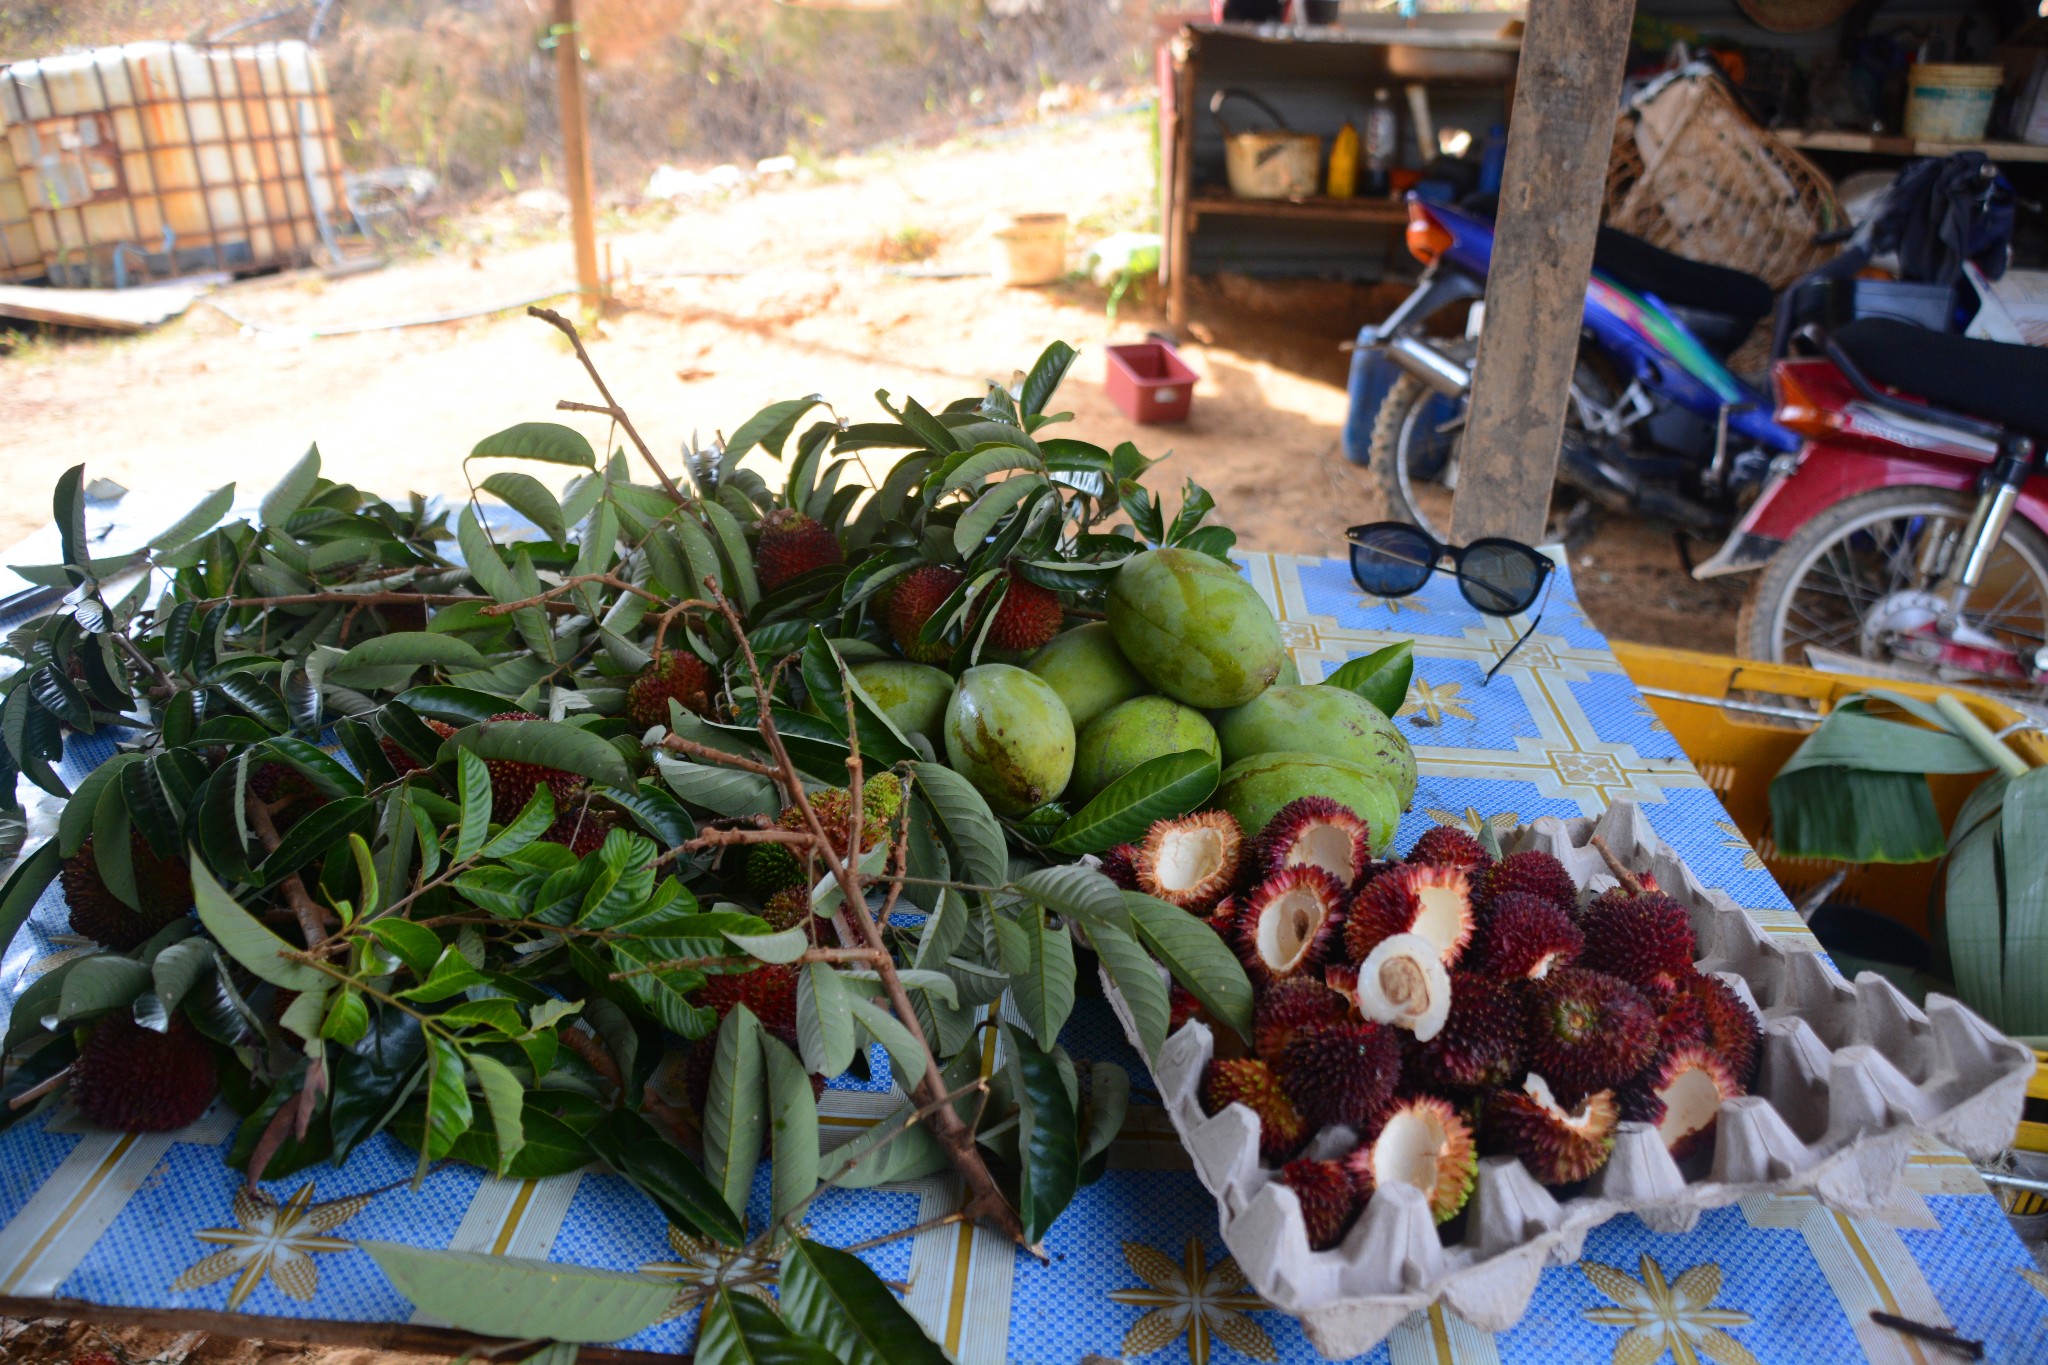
<point>1136,1266</point>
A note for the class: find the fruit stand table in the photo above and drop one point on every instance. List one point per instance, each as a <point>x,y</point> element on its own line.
<point>113,1225</point>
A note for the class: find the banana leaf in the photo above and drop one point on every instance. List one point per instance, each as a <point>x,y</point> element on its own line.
<point>1856,790</point>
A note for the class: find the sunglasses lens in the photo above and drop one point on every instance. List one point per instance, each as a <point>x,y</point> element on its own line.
<point>1501,579</point>
<point>1392,560</point>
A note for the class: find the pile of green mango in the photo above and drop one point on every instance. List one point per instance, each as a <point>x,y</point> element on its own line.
<point>1190,658</point>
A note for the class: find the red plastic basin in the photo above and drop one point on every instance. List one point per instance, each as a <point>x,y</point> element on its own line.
<point>1149,382</point>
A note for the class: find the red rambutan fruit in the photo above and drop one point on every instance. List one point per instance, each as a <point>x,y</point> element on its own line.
<point>1434,902</point>
<point>1587,1031</point>
<point>911,603</point>
<point>1251,1083</point>
<point>403,762</point>
<point>1480,1043</point>
<point>163,886</point>
<point>141,1081</point>
<point>1181,1006</point>
<point>1318,832</point>
<point>1729,1028</point>
<point>581,829</point>
<point>1120,865</point>
<point>1645,940</point>
<point>1192,860</point>
<point>792,545</point>
<point>513,782</point>
<point>787,908</point>
<point>1345,1073</point>
<point>677,675</point>
<point>1450,846</point>
<point>1423,1142</point>
<point>1530,872</point>
<point>1681,1092</point>
<point>1328,1201</point>
<point>1524,936</point>
<point>1027,617</point>
<point>1288,924</point>
<point>1290,1007</point>
<point>1558,1145</point>
<point>769,991</point>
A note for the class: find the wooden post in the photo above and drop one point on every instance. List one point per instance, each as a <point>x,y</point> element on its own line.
<point>1560,134</point>
<point>576,150</point>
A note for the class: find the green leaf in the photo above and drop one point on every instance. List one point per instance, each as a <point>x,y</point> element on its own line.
<point>769,428</point>
<point>68,503</point>
<point>314,834</point>
<point>245,938</point>
<point>776,949</point>
<point>373,1077</point>
<point>885,1028</point>
<point>452,975</point>
<point>305,1014</point>
<point>417,946</point>
<point>510,1296</point>
<point>407,649</point>
<point>1381,677</point>
<point>99,984</point>
<point>888,1153</point>
<point>988,509</point>
<point>739,581</point>
<point>664,993</point>
<point>24,887</point>
<point>793,1128</point>
<point>548,442</point>
<point>505,1098</point>
<point>969,823</point>
<point>448,1111</point>
<point>547,744</point>
<point>530,498</point>
<point>196,522</point>
<point>631,1147</point>
<point>1158,789</point>
<point>75,822</point>
<point>454,705</point>
<point>532,822</point>
<point>656,812</point>
<point>833,1297</point>
<point>1198,959</point>
<point>1048,1139</point>
<point>1039,960</point>
<point>720,790</point>
<point>292,490</point>
<point>348,1019</point>
<point>1137,979</point>
<point>175,970</point>
<point>1855,815</point>
<point>473,784</point>
<point>824,1020</point>
<point>739,1329</point>
<point>1050,368</point>
<point>733,1114</point>
<point>1109,1099</point>
<point>2023,843</point>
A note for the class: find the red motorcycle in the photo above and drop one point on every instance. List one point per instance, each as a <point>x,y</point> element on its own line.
<point>1909,534</point>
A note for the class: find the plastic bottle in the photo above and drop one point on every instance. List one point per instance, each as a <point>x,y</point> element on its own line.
<point>1343,182</point>
<point>1382,139</point>
<point>1492,158</point>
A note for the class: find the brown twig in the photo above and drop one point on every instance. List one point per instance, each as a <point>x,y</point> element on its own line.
<point>312,916</point>
<point>867,955</point>
<point>1630,882</point>
<point>40,1089</point>
<point>282,1122</point>
<point>677,744</point>
<point>1967,1347</point>
<point>585,1043</point>
<point>611,407</point>
<point>568,585</point>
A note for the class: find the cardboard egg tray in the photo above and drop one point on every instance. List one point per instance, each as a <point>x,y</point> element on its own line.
<point>1848,1074</point>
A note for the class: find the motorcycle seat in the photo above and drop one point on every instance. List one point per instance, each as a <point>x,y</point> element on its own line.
<point>1993,380</point>
<point>1695,290</point>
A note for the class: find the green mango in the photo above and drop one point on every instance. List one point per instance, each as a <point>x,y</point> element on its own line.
<point>1254,789</point>
<point>1009,734</point>
<point>1194,627</point>
<point>912,696</point>
<point>1332,721</point>
<point>1129,734</point>
<point>1088,671</point>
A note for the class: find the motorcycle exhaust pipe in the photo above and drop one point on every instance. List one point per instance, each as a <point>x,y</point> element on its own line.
<point>1438,371</point>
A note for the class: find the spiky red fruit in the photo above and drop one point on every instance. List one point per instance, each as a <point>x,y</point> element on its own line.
<point>1705,1010</point>
<point>403,762</point>
<point>1524,937</point>
<point>792,545</point>
<point>1423,1142</point>
<point>1531,872</point>
<point>1027,617</point>
<point>1345,1073</point>
<point>787,908</point>
<point>1120,865</point>
<point>581,829</point>
<point>1450,846</point>
<point>834,808</point>
<point>1645,940</point>
<point>916,596</point>
<point>1435,902</point>
<point>677,675</point>
<point>1326,1196</point>
<point>1181,1006</point>
<point>1192,860</point>
<point>769,991</point>
<point>1558,1145</point>
<point>1296,1005</point>
<point>513,782</point>
<point>1587,1031</point>
<point>141,1081</point>
<point>1316,831</point>
<point>163,886</point>
<point>1480,1043</point>
<point>1681,1093</point>
<point>1251,1083</point>
<point>1289,924</point>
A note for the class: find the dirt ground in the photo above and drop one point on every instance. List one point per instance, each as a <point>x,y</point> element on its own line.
<point>207,399</point>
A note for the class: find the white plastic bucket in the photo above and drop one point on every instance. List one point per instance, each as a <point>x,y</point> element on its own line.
<point>1028,248</point>
<point>1951,102</point>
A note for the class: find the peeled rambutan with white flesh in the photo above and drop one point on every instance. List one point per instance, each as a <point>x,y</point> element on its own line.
<point>1342,1074</point>
<point>1682,1094</point>
<point>1191,861</point>
<point>1531,872</point>
<point>1316,831</point>
<point>1251,1083</point>
<point>1403,982</point>
<point>1558,1145</point>
<point>1646,940</point>
<point>1288,924</point>
<point>1479,1044</point>
<point>1293,1006</point>
<point>1327,1198</point>
<point>1423,1143</point>
<point>1434,902</point>
<point>1587,1031</point>
<point>1450,846</point>
<point>1522,937</point>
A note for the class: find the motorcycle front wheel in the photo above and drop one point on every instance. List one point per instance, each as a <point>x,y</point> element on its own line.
<point>1859,579</point>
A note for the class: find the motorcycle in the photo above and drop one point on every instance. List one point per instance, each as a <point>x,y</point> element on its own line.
<point>1657,425</point>
<point>1909,534</point>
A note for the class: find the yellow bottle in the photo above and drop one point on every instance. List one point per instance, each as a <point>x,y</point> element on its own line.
<point>1344,164</point>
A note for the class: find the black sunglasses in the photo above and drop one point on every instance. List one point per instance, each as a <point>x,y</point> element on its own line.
<point>1499,577</point>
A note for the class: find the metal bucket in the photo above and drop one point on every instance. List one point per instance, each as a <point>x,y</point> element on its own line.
<point>1280,164</point>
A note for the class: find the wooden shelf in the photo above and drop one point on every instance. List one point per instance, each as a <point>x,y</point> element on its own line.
<point>1301,210</point>
<point>1879,144</point>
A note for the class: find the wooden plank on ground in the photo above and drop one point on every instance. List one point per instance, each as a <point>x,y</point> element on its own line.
<point>104,310</point>
<point>1560,133</point>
